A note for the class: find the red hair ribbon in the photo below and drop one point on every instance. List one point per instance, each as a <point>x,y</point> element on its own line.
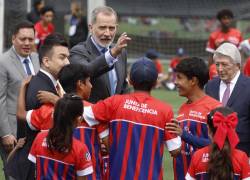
<point>225,128</point>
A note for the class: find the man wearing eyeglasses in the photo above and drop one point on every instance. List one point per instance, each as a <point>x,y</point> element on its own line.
<point>232,89</point>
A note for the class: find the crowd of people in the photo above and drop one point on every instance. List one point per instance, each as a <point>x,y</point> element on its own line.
<point>68,113</point>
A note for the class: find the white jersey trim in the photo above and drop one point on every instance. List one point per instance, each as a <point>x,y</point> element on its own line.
<point>193,121</point>
<point>104,134</point>
<point>117,120</point>
<point>210,50</point>
<point>86,171</point>
<point>55,160</point>
<point>89,117</point>
<point>84,127</point>
<point>188,177</point>
<point>32,158</point>
<point>174,143</point>
<point>28,119</point>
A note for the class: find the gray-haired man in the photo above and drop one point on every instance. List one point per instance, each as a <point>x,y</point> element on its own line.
<point>232,89</point>
<point>105,62</point>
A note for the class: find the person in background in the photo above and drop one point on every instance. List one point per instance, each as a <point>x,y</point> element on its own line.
<point>225,33</point>
<point>15,64</point>
<point>76,27</point>
<point>191,121</point>
<point>154,56</point>
<point>172,66</point>
<point>245,55</point>
<point>34,15</point>
<point>44,27</point>
<point>221,159</point>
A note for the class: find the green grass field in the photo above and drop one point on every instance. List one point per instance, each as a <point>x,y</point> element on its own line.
<point>172,98</point>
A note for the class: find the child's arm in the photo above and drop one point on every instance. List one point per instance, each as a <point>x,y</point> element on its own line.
<point>19,145</point>
<point>47,97</point>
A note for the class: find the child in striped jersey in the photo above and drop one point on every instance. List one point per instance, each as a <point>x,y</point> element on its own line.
<point>73,79</point>
<point>56,153</point>
<point>191,121</point>
<point>137,121</point>
<point>220,160</point>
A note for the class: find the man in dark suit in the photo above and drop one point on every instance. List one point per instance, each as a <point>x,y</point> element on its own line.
<point>53,55</point>
<point>106,63</point>
<point>232,89</point>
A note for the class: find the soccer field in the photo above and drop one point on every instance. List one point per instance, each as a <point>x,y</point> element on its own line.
<point>172,98</point>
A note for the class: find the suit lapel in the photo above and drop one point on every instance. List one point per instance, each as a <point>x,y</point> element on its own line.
<point>91,48</point>
<point>217,89</point>
<point>118,70</point>
<point>17,63</point>
<point>214,89</point>
<point>237,89</point>
<point>35,62</point>
<point>47,79</point>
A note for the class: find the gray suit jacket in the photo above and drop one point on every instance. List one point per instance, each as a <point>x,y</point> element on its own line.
<point>86,54</point>
<point>11,75</point>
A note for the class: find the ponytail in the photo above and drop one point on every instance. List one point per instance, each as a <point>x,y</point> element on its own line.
<point>220,162</point>
<point>221,122</point>
<point>60,136</point>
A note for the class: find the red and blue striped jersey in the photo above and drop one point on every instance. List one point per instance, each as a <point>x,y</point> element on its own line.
<point>89,136</point>
<point>193,121</point>
<point>41,119</point>
<point>198,169</point>
<point>55,165</point>
<point>137,134</point>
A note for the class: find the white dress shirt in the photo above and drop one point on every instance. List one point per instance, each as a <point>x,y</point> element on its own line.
<point>223,85</point>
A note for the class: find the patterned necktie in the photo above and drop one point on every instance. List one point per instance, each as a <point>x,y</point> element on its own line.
<point>104,50</point>
<point>226,95</point>
<point>27,67</point>
<point>59,90</point>
<point>111,75</point>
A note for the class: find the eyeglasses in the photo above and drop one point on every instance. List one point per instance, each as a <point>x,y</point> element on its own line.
<point>224,65</point>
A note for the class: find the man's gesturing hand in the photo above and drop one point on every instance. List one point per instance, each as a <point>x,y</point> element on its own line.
<point>122,42</point>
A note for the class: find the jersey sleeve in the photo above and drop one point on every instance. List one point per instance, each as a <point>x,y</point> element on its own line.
<point>211,44</point>
<point>103,130</point>
<point>99,112</point>
<point>84,164</point>
<point>195,141</point>
<point>33,153</point>
<point>245,174</point>
<point>172,141</point>
<point>41,118</point>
